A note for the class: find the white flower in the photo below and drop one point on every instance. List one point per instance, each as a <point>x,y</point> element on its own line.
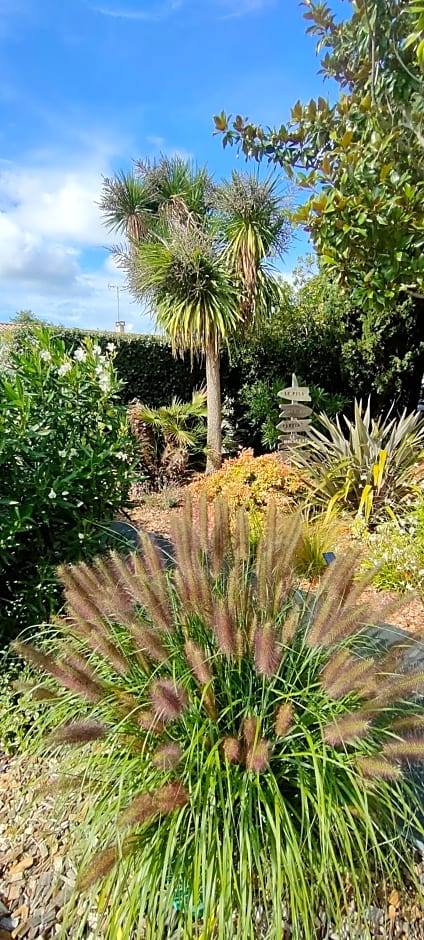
<point>72,452</point>
<point>120,455</point>
<point>65,493</point>
<point>81,536</point>
<point>64,368</point>
<point>62,453</point>
<point>104,379</point>
<point>97,350</point>
<point>80,354</point>
<point>52,494</point>
<point>44,354</point>
<point>110,347</point>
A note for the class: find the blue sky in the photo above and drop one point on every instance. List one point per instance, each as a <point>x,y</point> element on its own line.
<point>86,86</point>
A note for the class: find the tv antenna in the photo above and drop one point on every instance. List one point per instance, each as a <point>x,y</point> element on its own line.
<point>120,324</point>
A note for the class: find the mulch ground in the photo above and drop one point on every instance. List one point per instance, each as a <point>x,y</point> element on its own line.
<point>37,875</point>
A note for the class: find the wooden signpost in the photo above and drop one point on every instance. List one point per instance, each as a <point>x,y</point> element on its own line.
<point>295,416</point>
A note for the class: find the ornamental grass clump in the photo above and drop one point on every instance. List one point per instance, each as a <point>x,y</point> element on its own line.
<point>241,746</point>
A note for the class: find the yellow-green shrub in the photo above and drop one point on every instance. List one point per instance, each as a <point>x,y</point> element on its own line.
<point>252,482</point>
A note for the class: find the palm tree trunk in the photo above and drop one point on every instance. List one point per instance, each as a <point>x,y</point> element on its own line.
<point>213,400</point>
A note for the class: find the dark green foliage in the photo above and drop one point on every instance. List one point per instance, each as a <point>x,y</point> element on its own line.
<point>246,748</point>
<point>66,460</point>
<point>146,367</point>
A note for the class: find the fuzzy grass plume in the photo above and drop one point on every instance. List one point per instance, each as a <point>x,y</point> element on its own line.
<point>243,744</point>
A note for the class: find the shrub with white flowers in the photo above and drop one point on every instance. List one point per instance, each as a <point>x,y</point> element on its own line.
<point>66,459</point>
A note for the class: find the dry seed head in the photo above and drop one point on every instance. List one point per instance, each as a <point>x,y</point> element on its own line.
<point>343,623</point>
<point>344,673</point>
<point>204,523</point>
<point>148,721</point>
<point>232,750</point>
<point>38,693</point>
<point>269,546</point>
<point>284,719</point>
<point>197,660</point>
<point>84,606</point>
<point>128,704</point>
<point>167,756</point>
<point>224,629</point>
<point>82,684</point>
<point>89,689</point>
<point>335,586</point>
<point>220,536</point>
<point>151,596</point>
<point>99,866</point>
<point>267,651</point>
<point>152,557</point>
<point>240,644</point>
<point>165,799</point>
<point>169,700</point>
<point>182,541</point>
<point>205,595</point>
<point>149,641</point>
<point>78,732</point>
<point>97,638</point>
<point>241,536</point>
<point>408,723</point>
<point>379,767</point>
<point>346,729</point>
<point>102,863</point>
<point>250,729</point>
<point>410,749</point>
<point>257,756</point>
<point>396,689</point>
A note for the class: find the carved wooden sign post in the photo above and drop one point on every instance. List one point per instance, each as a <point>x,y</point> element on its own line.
<point>295,416</point>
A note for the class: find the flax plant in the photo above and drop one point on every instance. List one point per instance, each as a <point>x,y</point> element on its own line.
<point>241,747</point>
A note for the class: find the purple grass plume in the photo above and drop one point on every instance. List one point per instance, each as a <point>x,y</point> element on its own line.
<point>166,799</point>
<point>232,750</point>
<point>268,653</point>
<point>284,719</point>
<point>169,699</point>
<point>167,756</point>
<point>78,732</point>
<point>346,729</point>
<point>377,767</point>
<point>258,755</point>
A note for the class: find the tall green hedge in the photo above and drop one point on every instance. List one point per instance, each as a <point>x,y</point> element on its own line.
<point>146,365</point>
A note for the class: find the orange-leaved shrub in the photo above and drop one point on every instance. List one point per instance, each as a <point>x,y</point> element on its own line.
<point>252,482</point>
<point>241,746</point>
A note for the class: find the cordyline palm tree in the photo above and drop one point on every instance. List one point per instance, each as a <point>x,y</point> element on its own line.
<point>199,253</point>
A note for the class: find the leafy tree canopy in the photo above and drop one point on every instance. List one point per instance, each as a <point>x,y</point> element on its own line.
<point>362,157</point>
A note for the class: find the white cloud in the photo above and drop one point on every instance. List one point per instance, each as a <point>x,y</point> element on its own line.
<point>163,10</point>
<point>26,259</point>
<point>237,8</point>
<point>157,12</point>
<point>52,243</point>
<point>54,203</point>
<point>91,306</point>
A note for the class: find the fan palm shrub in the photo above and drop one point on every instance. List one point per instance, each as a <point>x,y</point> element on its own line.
<point>370,466</point>
<point>167,436</point>
<point>240,747</point>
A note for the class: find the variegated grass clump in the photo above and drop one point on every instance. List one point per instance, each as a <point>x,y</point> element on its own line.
<point>241,745</point>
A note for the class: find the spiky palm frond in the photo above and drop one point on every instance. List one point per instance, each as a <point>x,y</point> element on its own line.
<point>189,287</point>
<point>370,460</point>
<point>255,228</point>
<point>127,206</point>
